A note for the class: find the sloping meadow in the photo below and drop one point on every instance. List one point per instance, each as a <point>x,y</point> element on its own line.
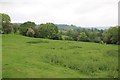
<point>86,58</point>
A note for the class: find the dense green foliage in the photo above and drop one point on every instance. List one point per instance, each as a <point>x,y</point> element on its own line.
<point>37,33</point>
<point>6,25</point>
<point>83,37</point>
<point>111,35</point>
<point>25,26</point>
<point>48,30</point>
<point>25,57</point>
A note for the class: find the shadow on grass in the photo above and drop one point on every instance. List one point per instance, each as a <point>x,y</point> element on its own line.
<point>74,47</point>
<point>36,42</point>
<point>112,53</point>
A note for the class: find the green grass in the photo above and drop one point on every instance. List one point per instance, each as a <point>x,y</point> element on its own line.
<point>25,57</point>
<point>0,56</point>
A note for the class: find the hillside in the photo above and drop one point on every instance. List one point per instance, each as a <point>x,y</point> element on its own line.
<point>66,27</point>
<point>25,57</point>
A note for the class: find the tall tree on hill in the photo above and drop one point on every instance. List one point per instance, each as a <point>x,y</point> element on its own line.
<point>25,26</point>
<point>6,25</point>
<point>48,30</point>
<point>111,35</point>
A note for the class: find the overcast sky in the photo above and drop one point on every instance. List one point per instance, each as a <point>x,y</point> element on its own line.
<point>78,12</point>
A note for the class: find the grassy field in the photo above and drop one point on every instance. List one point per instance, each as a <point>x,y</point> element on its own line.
<point>0,56</point>
<point>25,57</point>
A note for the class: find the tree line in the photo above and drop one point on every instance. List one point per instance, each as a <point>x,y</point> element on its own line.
<point>51,31</point>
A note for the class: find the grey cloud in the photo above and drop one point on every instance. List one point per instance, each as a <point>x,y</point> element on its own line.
<point>78,12</point>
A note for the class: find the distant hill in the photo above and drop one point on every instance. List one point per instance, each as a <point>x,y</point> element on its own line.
<point>69,27</point>
<point>103,27</point>
<point>99,27</point>
<point>66,27</point>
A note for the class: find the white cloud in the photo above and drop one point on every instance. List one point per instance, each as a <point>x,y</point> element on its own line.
<point>78,12</point>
